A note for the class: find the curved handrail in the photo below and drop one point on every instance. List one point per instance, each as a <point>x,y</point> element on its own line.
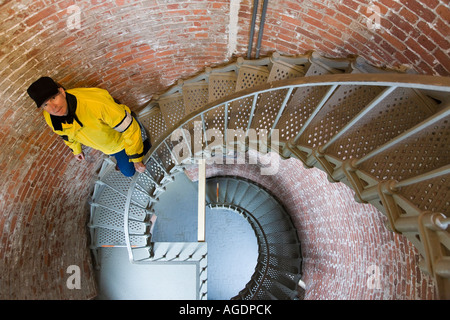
<point>387,80</point>
<point>424,82</point>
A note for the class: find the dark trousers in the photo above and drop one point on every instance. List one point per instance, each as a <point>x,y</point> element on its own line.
<point>124,163</point>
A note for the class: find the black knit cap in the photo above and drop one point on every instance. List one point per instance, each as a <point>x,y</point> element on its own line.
<point>42,89</point>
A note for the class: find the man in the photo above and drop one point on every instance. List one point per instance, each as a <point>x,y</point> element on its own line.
<point>91,117</point>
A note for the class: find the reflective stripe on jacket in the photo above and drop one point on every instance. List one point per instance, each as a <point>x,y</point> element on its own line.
<point>99,123</point>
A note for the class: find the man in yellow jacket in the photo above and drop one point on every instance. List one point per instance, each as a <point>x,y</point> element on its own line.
<point>91,117</point>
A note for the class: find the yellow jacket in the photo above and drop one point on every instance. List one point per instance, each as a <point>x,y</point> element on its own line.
<point>96,121</point>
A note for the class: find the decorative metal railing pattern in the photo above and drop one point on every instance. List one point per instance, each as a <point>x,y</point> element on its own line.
<point>383,133</point>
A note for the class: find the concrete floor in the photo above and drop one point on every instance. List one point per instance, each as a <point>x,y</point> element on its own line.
<point>232,253</point>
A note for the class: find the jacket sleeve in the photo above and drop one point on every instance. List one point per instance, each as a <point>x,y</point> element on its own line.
<point>118,117</point>
<point>75,146</point>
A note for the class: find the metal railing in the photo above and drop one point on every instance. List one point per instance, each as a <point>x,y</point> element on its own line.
<point>428,236</point>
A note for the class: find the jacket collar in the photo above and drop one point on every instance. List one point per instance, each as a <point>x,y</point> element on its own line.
<point>57,121</point>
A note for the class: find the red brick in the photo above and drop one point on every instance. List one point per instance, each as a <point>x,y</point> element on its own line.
<point>348,11</point>
<point>314,22</point>
<point>402,24</point>
<point>41,15</point>
<point>392,4</point>
<point>399,45</point>
<point>427,44</point>
<point>443,59</point>
<point>443,12</point>
<point>420,10</point>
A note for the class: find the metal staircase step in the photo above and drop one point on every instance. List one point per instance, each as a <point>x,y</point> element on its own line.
<point>273,216</point>
<point>285,250</point>
<point>345,102</point>
<point>230,190</point>
<point>323,65</point>
<point>221,84</point>
<point>270,207</point>
<point>161,252</point>
<point>289,237</point>
<point>139,196</point>
<point>153,121</point>
<point>299,109</point>
<point>172,109</point>
<point>279,225</point>
<point>109,219</point>
<point>248,77</point>
<point>195,96</point>
<point>283,266</point>
<point>116,238</point>
<point>281,70</point>
<point>278,290</point>
<point>251,194</point>
<point>107,165</point>
<point>401,110</point>
<point>269,104</point>
<point>108,197</point>
<point>260,202</point>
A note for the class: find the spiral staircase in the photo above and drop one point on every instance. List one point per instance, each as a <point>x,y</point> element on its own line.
<point>278,268</point>
<point>384,133</point>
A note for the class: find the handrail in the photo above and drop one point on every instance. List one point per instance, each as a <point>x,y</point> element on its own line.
<point>424,82</point>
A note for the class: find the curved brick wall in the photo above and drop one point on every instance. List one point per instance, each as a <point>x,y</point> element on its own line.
<point>348,253</point>
<point>136,49</point>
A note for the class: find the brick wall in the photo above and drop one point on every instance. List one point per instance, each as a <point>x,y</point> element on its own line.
<point>413,34</point>
<point>136,49</point>
<point>348,253</point>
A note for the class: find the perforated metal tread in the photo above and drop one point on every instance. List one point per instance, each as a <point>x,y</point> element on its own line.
<point>116,238</point>
<point>195,96</point>
<point>221,84</point>
<point>300,120</point>
<point>172,109</point>
<point>109,219</point>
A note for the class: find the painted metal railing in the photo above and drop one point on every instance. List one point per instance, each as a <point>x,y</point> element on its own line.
<point>424,228</point>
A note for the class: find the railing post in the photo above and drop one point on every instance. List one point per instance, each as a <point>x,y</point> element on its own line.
<point>280,112</point>
<point>437,262</point>
<point>201,199</point>
<point>319,106</point>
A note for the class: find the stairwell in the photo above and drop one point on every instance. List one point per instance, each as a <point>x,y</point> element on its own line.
<point>382,132</point>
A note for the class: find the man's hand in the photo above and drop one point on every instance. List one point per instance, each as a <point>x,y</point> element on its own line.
<point>79,156</point>
<point>140,167</point>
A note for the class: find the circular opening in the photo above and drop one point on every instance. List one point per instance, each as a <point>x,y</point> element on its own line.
<point>232,252</point>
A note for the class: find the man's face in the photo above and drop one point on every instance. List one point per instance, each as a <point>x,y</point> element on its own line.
<point>57,105</point>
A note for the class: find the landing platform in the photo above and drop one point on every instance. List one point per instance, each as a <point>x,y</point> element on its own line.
<point>232,253</point>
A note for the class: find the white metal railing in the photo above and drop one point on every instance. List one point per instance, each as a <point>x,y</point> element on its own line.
<point>388,81</point>
<point>201,200</point>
